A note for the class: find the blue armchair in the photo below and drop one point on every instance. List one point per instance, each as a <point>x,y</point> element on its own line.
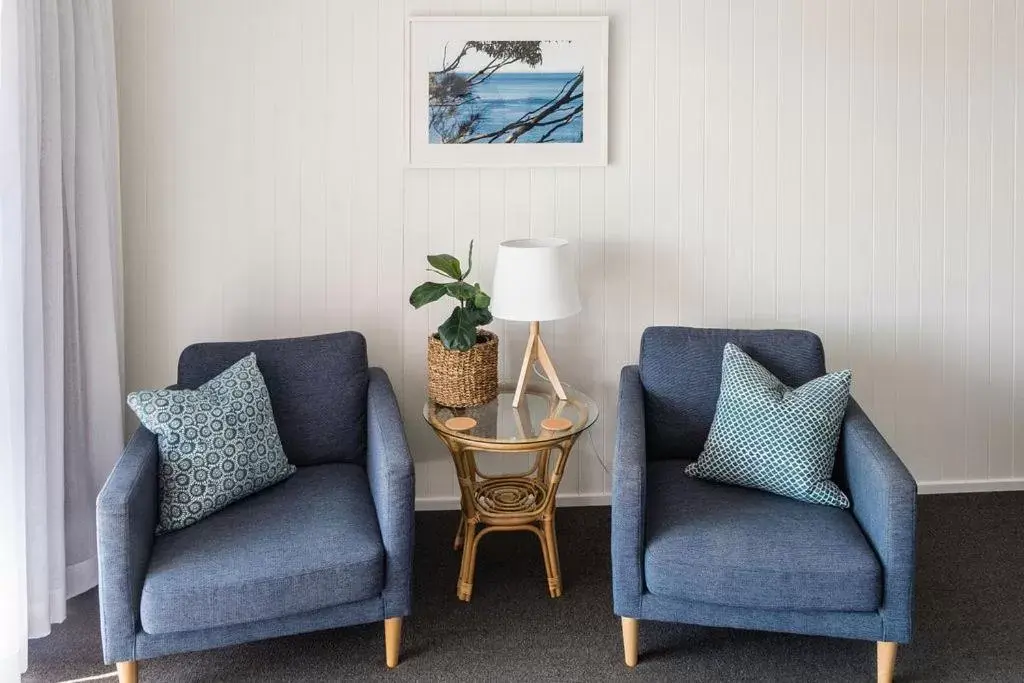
<point>690,551</point>
<point>331,546</point>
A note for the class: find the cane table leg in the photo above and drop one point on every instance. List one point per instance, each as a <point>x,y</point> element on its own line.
<point>460,532</point>
<point>555,560</point>
<point>555,572</point>
<point>554,550</point>
<point>549,564</point>
<point>469,543</point>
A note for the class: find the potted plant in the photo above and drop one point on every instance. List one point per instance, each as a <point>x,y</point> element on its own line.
<point>462,359</point>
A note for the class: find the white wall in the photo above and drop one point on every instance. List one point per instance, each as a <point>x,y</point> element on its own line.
<point>844,166</point>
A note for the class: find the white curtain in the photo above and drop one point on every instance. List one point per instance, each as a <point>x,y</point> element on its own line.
<point>61,364</point>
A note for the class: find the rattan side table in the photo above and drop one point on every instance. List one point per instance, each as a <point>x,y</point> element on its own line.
<point>522,501</point>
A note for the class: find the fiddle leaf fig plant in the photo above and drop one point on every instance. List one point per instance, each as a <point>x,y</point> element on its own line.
<point>459,331</point>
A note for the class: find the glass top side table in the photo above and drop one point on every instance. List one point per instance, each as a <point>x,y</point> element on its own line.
<point>523,501</point>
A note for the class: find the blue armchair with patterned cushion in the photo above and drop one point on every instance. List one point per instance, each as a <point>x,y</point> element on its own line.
<point>690,551</point>
<point>330,546</point>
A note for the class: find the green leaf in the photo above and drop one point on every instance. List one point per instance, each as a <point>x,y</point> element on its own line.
<point>458,332</point>
<point>447,264</point>
<point>427,293</point>
<point>478,315</point>
<point>463,291</point>
<point>481,300</point>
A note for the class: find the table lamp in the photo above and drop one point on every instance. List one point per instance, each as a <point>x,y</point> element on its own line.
<point>533,282</point>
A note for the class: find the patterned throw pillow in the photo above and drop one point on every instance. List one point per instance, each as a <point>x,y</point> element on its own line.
<point>218,443</point>
<point>770,437</point>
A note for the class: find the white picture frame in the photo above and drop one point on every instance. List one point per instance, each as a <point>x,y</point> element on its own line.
<point>546,104</point>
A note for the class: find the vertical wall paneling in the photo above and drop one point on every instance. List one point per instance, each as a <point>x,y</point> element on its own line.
<point>231,212</point>
<point>860,236</point>
<point>441,238</point>
<point>790,178</point>
<point>843,166</point>
<point>130,36</point>
<point>765,176</point>
<point>908,241</point>
<point>932,233</point>
<point>884,174</point>
<point>568,225</point>
<point>595,460</point>
<point>715,251</point>
<point>338,170</point>
<point>259,188</point>
<point>955,327</point>
<point>158,165</point>
<point>1000,269</point>
<point>392,296</point>
<point>364,97</point>
<point>615,281</point>
<point>813,172</point>
<point>417,327</point>
<point>285,87</point>
<point>197,73</point>
<point>313,190</point>
<point>643,98</point>
<point>836,261</point>
<point>1018,250</point>
<point>666,183</point>
<point>692,151</point>
<point>740,221</point>
<point>979,234</point>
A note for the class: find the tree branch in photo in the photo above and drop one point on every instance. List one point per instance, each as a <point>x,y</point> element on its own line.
<point>531,120</point>
<point>565,122</point>
<point>455,114</point>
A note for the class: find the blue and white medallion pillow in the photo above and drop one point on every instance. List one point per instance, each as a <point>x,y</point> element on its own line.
<point>768,436</point>
<point>218,443</point>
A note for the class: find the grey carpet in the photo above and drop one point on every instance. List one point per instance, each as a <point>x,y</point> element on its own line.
<point>970,619</point>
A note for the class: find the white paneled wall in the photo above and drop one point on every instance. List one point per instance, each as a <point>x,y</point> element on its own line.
<point>845,166</point>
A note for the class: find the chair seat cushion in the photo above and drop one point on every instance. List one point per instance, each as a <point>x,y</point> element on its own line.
<point>310,542</point>
<point>725,545</point>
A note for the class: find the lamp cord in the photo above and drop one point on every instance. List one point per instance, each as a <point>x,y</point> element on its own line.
<point>535,366</point>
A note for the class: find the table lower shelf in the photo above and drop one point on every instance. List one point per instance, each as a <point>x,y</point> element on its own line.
<point>510,500</point>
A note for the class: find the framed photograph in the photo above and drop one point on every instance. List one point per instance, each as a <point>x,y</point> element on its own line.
<point>507,91</point>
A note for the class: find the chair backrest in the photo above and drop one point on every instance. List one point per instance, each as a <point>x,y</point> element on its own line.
<point>317,389</point>
<point>681,371</point>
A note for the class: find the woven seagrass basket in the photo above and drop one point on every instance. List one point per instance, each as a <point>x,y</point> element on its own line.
<point>463,378</point>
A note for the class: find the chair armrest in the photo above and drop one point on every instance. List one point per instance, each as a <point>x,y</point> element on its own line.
<point>629,493</point>
<point>126,516</point>
<point>883,497</point>
<point>392,478</point>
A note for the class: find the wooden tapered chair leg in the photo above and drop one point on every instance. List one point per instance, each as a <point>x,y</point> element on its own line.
<point>392,640</point>
<point>128,672</point>
<point>630,639</point>
<point>886,661</point>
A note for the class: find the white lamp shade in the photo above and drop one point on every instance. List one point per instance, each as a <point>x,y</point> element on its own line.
<point>534,281</point>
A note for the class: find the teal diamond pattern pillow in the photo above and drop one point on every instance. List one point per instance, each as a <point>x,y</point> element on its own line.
<point>768,436</point>
<point>218,443</point>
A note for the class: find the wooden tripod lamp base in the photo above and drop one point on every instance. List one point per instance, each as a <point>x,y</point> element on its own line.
<point>535,350</point>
